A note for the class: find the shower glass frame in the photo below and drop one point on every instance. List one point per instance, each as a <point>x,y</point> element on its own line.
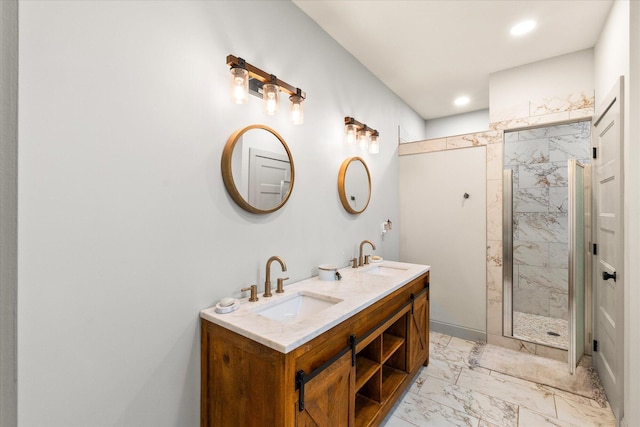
<point>579,291</point>
<point>577,345</point>
<point>507,252</point>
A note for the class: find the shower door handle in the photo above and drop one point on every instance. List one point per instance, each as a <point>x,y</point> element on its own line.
<point>607,276</point>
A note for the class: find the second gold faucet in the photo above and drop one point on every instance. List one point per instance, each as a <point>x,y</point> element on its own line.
<point>267,282</point>
<point>361,259</point>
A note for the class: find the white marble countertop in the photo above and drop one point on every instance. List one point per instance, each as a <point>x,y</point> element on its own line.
<point>358,289</point>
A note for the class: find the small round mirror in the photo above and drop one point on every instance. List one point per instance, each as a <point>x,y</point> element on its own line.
<point>257,169</point>
<point>354,185</point>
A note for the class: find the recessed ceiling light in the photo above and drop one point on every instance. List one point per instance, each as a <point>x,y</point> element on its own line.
<point>523,27</point>
<point>462,100</point>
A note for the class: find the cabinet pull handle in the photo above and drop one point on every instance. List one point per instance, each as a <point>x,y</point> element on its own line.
<point>300,388</point>
<point>352,343</point>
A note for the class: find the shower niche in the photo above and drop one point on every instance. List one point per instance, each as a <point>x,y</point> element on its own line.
<point>544,227</point>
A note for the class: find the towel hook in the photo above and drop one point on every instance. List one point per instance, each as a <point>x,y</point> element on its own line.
<point>466,195</point>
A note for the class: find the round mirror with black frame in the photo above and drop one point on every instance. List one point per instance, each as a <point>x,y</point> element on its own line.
<point>354,185</point>
<point>257,169</point>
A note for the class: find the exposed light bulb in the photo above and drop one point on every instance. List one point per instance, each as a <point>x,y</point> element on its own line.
<point>297,109</point>
<point>239,95</point>
<point>296,114</point>
<point>374,144</point>
<point>239,85</point>
<point>270,98</point>
<point>363,139</point>
<point>271,104</point>
<point>350,132</point>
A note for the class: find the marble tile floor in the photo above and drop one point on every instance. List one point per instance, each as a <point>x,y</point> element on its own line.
<point>534,328</point>
<point>455,391</point>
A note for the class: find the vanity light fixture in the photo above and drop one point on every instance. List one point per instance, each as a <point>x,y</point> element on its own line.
<point>361,134</point>
<point>246,78</point>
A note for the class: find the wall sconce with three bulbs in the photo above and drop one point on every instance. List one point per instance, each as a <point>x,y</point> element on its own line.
<point>246,78</point>
<point>360,134</point>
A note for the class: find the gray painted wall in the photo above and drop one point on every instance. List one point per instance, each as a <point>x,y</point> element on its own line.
<point>125,229</point>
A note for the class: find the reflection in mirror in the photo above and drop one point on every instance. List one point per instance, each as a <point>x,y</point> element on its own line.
<point>354,185</point>
<point>257,169</point>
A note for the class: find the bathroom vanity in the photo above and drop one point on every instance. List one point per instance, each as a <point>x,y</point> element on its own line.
<point>341,357</point>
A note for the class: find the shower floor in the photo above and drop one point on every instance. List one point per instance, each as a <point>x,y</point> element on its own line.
<point>534,328</point>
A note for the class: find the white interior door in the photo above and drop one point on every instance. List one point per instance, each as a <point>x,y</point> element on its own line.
<point>441,228</point>
<point>269,178</point>
<point>608,235</point>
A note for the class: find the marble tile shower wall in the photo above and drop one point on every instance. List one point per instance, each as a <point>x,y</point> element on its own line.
<point>549,110</point>
<point>538,158</point>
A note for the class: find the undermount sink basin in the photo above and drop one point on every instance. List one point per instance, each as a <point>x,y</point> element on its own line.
<point>384,270</point>
<point>296,306</point>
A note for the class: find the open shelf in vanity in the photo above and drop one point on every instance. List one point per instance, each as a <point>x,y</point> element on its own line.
<point>380,366</point>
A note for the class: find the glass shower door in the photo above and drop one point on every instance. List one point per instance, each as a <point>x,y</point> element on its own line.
<point>577,251</point>
<point>537,303</point>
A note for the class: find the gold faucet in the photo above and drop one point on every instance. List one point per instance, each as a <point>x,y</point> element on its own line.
<point>267,282</point>
<point>361,260</point>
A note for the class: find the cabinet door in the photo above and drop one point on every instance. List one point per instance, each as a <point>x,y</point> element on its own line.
<point>419,332</point>
<point>329,397</point>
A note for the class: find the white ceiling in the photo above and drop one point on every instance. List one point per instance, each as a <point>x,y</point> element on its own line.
<point>432,51</point>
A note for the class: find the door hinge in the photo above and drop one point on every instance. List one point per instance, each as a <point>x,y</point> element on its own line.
<point>595,345</point>
<point>594,152</point>
<point>595,249</point>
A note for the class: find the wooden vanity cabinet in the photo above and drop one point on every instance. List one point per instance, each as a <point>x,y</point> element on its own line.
<point>350,375</point>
